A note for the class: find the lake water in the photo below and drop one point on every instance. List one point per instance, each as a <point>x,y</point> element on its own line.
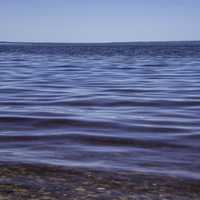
<point>129,107</point>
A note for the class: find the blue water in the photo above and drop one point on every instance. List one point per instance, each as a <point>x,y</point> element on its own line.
<point>131,106</point>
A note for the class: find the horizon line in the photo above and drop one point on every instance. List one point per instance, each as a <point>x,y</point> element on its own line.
<point>106,42</point>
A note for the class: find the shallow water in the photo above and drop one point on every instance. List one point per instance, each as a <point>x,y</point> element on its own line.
<point>115,106</point>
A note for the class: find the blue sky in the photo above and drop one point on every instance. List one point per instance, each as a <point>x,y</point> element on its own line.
<point>99,20</point>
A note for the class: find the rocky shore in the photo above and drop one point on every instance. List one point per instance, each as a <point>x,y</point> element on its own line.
<point>22,182</point>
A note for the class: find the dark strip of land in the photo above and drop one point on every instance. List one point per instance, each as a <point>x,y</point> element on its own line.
<point>18,182</point>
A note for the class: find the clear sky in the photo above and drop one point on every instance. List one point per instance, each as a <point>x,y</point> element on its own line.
<point>99,20</point>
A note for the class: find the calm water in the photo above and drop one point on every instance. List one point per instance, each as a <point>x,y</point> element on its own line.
<point>116,107</point>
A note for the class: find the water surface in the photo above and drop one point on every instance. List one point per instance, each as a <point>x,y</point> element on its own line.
<point>133,107</point>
